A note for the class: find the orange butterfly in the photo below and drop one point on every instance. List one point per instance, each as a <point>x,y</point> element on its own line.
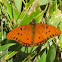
<point>33,35</point>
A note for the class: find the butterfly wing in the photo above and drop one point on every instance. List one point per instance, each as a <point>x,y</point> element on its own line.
<point>45,32</point>
<point>22,35</point>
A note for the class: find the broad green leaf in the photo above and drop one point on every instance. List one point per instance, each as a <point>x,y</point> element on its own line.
<point>6,46</point>
<point>39,17</point>
<point>36,12</point>
<point>22,15</point>
<point>26,19</point>
<point>23,49</point>
<point>56,18</point>
<point>29,14</point>
<point>51,53</point>
<point>43,2</point>
<point>10,60</point>
<point>18,4</point>
<point>52,8</point>
<point>16,14</point>
<point>29,4</point>
<point>43,57</point>
<point>10,11</point>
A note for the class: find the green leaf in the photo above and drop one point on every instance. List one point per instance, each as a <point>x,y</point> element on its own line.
<point>23,49</point>
<point>9,8</point>
<point>18,4</point>
<point>56,18</point>
<point>6,46</point>
<point>43,57</point>
<point>30,3</point>
<point>26,19</point>
<point>31,49</point>
<point>46,44</point>
<point>10,60</point>
<point>0,7</point>
<point>10,11</point>
<point>5,12</point>
<point>34,48</point>
<point>43,2</point>
<point>4,35</point>
<point>52,8</point>
<point>16,14</point>
<point>11,55</point>
<point>39,17</point>
<point>16,50</point>
<point>3,55</point>
<point>61,36</point>
<point>51,53</point>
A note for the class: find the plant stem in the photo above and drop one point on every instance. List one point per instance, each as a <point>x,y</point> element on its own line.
<point>2,29</point>
<point>24,2</point>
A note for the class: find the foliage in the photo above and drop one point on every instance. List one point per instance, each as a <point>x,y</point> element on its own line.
<point>14,13</point>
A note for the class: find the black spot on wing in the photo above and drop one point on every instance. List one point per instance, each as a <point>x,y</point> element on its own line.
<point>47,38</point>
<point>41,42</point>
<point>42,26</point>
<point>27,39</point>
<point>18,33</point>
<point>21,34</point>
<point>16,38</point>
<point>46,26</point>
<point>49,31</point>
<point>46,32</point>
<point>21,28</point>
<point>25,27</point>
<point>39,37</point>
<point>53,34</point>
<point>50,36</point>
<point>25,44</point>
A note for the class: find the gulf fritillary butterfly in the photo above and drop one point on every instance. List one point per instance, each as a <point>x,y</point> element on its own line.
<point>33,35</point>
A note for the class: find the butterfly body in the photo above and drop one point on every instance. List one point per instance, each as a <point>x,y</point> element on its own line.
<point>33,34</point>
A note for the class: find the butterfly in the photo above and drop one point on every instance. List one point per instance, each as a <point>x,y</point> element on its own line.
<point>33,34</point>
